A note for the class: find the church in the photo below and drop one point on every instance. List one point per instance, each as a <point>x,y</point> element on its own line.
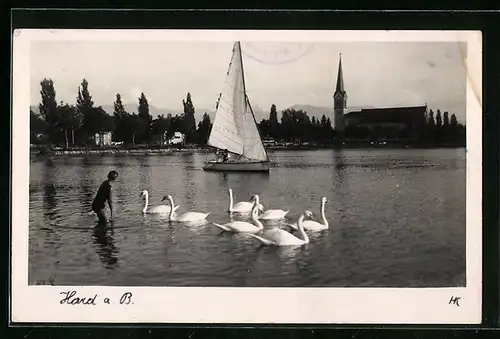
<point>382,124</point>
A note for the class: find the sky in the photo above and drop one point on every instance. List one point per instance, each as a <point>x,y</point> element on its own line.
<point>379,74</point>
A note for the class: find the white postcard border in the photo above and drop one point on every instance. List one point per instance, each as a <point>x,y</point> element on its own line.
<point>246,305</point>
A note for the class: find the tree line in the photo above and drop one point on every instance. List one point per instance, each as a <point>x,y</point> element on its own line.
<point>443,128</point>
<point>77,125</point>
<point>438,129</point>
<point>296,126</point>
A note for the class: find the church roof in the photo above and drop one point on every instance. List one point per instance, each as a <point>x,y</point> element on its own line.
<point>391,114</point>
<point>340,78</point>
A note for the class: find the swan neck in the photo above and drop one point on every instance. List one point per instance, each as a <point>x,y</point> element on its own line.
<point>301,229</point>
<point>146,203</point>
<point>257,200</point>
<point>255,214</point>
<point>323,216</point>
<point>230,200</point>
<point>171,214</point>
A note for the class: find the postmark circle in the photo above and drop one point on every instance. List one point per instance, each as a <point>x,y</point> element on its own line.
<point>276,52</point>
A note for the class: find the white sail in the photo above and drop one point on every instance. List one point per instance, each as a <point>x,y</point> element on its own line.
<point>234,127</point>
<point>253,147</point>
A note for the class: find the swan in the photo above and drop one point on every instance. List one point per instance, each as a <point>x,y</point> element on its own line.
<point>280,237</point>
<point>312,225</point>
<point>271,214</point>
<point>157,209</point>
<point>243,226</point>
<point>186,217</point>
<point>242,207</point>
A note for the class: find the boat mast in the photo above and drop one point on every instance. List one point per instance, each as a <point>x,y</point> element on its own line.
<point>247,100</point>
<point>244,86</point>
<point>255,121</point>
<point>242,71</point>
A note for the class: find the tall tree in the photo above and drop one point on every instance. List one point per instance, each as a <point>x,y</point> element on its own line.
<point>189,121</point>
<point>446,135</point>
<point>48,110</point>
<point>438,133</point>
<point>273,122</point>
<point>145,119</point>
<point>84,99</point>
<point>323,121</point>
<point>446,119</point>
<point>120,116</point>
<point>431,126</point>
<point>457,132</point>
<point>453,120</point>
<point>439,119</point>
<point>84,105</point>
<point>204,128</point>
<point>119,109</point>
<point>431,120</point>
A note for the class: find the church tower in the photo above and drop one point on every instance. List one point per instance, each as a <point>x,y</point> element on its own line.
<point>339,101</point>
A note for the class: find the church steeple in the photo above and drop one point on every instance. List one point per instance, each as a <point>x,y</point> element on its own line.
<point>340,78</point>
<point>339,100</point>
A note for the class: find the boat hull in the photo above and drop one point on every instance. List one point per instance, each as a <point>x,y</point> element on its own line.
<point>234,166</point>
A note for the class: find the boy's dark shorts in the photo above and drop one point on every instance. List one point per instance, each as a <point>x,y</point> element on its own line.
<point>101,214</point>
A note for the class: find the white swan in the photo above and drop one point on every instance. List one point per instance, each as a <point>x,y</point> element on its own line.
<point>243,226</point>
<point>188,216</point>
<point>312,225</point>
<point>279,237</point>
<point>242,207</point>
<point>164,209</point>
<point>271,214</point>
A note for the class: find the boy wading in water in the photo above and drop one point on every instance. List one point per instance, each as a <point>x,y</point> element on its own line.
<point>104,193</point>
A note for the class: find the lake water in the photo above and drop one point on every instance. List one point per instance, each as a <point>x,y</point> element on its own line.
<point>397,218</point>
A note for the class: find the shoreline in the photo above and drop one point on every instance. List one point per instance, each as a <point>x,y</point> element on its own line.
<point>35,151</point>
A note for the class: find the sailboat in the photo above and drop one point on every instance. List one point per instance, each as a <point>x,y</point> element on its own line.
<point>234,129</point>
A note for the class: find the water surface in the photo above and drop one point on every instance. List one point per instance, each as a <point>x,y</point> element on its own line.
<point>397,218</point>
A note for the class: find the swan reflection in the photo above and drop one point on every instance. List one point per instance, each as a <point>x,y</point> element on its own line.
<point>289,254</point>
<point>195,223</point>
<point>279,256</point>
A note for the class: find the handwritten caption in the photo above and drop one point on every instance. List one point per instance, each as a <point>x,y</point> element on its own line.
<point>71,298</point>
<point>454,301</point>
